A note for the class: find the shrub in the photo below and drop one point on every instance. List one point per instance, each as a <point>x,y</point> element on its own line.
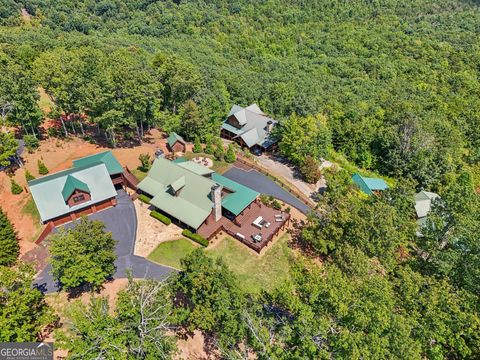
<point>145,162</point>
<point>197,145</point>
<point>195,237</point>
<point>53,132</point>
<point>230,157</point>
<point>276,204</point>
<point>31,142</point>
<point>164,219</point>
<point>29,176</point>
<point>144,198</point>
<point>310,170</point>
<point>16,189</point>
<point>42,169</point>
<point>265,199</point>
<point>209,147</point>
<point>219,150</point>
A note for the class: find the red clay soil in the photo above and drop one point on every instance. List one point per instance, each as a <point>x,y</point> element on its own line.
<point>59,155</point>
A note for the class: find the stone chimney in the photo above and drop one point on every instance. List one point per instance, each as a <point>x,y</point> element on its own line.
<point>216,194</point>
<point>269,126</point>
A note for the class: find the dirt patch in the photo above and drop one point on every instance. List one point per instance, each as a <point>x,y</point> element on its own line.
<point>58,155</point>
<point>194,347</point>
<point>151,232</point>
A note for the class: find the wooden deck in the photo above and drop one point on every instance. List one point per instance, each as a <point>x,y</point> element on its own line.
<point>243,225</point>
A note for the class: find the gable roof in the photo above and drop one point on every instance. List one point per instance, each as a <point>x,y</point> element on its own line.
<point>106,157</point>
<point>48,191</point>
<point>173,137</point>
<point>196,168</point>
<point>192,205</point>
<point>240,197</point>
<point>423,202</point>
<point>72,184</point>
<point>253,125</point>
<point>369,185</point>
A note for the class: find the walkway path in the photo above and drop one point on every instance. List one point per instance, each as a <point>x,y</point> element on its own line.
<point>261,183</point>
<point>121,220</point>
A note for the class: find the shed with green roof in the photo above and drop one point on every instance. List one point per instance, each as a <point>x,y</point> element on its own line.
<point>369,185</point>
<point>176,143</point>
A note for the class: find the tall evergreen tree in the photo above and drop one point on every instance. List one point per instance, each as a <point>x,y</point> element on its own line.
<point>8,241</point>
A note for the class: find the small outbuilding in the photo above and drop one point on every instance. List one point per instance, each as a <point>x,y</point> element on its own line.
<point>369,186</point>
<point>176,143</point>
<point>423,204</point>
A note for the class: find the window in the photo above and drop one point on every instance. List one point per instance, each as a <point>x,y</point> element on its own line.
<point>78,198</point>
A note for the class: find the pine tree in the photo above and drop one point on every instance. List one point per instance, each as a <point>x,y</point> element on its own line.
<point>15,188</point>
<point>8,241</point>
<point>29,176</point>
<point>230,157</point>
<point>209,147</point>
<point>42,169</point>
<point>197,145</point>
<point>219,150</point>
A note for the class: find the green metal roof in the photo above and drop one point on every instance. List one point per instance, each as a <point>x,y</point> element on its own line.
<point>196,168</point>
<point>173,137</point>
<point>106,157</point>
<point>239,199</point>
<point>178,184</point>
<point>48,191</point>
<point>180,159</point>
<point>368,185</point>
<point>192,205</point>
<point>231,128</point>
<point>72,184</point>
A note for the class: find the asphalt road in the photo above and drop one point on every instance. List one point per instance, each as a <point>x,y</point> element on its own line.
<point>121,221</point>
<point>261,183</point>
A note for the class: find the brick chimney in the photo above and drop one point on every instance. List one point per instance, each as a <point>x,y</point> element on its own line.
<point>216,194</point>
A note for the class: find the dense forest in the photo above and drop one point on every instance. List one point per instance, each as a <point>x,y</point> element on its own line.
<point>392,86</point>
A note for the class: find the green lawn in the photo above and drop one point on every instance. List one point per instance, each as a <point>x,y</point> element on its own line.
<point>169,253</point>
<point>140,175</point>
<point>31,209</point>
<point>254,273</point>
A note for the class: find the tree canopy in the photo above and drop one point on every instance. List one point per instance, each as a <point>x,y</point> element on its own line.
<point>82,255</point>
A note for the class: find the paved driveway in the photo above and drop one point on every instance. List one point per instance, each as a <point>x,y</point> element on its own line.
<point>261,183</point>
<point>121,220</point>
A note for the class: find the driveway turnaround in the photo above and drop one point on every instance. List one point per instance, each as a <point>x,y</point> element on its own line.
<point>261,183</point>
<point>121,221</point>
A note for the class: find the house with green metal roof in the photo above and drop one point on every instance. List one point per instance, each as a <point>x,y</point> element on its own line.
<point>369,186</point>
<point>176,143</point>
<point>106,158</point>
<point>249,127</point>
<point>59,195</point>
<point>191,193</point>
<point>89,184</point>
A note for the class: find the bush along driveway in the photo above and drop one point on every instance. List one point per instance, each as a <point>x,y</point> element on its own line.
<point>121,221</point>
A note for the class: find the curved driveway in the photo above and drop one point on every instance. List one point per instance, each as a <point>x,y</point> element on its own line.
<point>261,183</point>
<point>121,221</point>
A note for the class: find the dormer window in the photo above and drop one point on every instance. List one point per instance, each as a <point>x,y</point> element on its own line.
<point>75,191</point>
<point>78,198</point>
